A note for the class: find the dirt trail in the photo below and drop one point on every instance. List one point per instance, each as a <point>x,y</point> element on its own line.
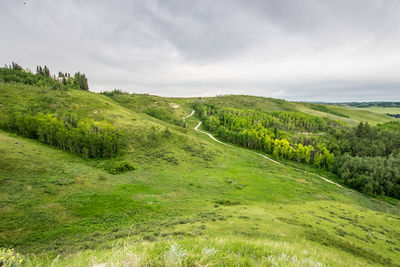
<point>212,137</point>
<point>274,161</point>
<point>184,118</point>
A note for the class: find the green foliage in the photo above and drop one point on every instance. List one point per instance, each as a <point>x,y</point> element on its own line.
<point>43,77</point>
<point>113,92</point>
<point>365,140</point>
<point>263,131</point>
<point>367,156</point>
<point>80,81</point>
<point>116,167</point>
<point>227,202</point>
<point>371,175</point>
<point>167,156</point>
<point>86,138</point>
<point>391,127</point>
<point>298,120</point>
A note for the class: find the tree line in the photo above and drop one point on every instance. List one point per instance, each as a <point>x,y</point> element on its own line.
<point>373,104</point>
<point>86,138</point>
<point>397,116</point>
<point>43,77</point>
<point>365,140</point>
<point>371,175</point>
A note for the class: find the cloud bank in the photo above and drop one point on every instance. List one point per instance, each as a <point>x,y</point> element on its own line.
<point>297,50</point>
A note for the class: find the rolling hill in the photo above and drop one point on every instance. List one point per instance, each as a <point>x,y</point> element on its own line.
<point>185,199</point>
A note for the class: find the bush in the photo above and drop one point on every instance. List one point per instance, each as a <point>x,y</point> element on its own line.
<point>113,92</point>
<point>227,202</point>
<point>116,167</point>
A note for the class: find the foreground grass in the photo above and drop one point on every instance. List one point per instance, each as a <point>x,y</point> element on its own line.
<point>229,251</point>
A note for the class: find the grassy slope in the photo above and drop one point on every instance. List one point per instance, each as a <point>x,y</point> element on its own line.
<point>381,110</point>
<point>354,116</point>
<point>177,108</point>
<point>52,201</point>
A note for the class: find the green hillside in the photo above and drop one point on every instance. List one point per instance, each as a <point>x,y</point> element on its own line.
<point>383,110</point>
<point>184,199</point>
<point>171,110</point>
<point>394,111</point>
<point>351,116</point>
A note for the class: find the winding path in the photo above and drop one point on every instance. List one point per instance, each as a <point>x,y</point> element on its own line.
<point>274,161</point>
<point>184,118</point>
<point>212,137</point>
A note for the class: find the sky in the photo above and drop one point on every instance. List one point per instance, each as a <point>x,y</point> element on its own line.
<point>307,50</point>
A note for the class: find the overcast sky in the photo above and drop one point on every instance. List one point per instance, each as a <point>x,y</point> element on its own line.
<point>315,50</point>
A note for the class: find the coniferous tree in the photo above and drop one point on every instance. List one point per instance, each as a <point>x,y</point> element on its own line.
<point>15,66</point>
<point>80,81</point>
<point>46,71</point>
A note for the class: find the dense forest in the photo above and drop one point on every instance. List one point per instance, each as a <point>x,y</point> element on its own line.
<point>366,158</point>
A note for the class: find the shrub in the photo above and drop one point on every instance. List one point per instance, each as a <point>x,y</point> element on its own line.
<point>113,92</point>
<point>227,202</point>
<point>116,167</point>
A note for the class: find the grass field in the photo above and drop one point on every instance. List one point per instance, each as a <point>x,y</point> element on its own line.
<point>189,201</point>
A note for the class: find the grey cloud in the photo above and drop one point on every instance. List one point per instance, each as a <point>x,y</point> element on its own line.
<point>298,50</point>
